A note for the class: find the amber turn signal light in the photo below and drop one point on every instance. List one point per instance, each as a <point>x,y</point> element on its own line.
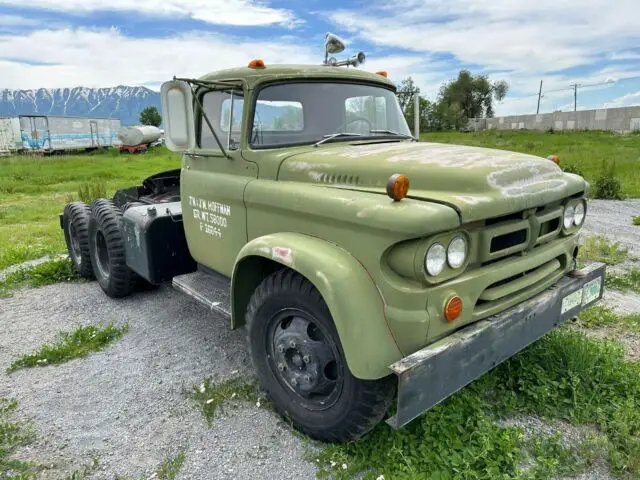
<point>453,308</point>
<point>257,63</point>
<point>397,186</point>
<point>382,73</point>
<point>554,158</point>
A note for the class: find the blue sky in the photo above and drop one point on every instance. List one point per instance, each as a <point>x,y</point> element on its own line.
<point>97,43</point>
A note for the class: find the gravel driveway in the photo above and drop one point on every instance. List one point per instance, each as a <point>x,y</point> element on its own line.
<point>127,405</point>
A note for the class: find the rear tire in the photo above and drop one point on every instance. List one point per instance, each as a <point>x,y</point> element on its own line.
<point>75,222</point>
<point>106,246</point>
<point>300,363</point>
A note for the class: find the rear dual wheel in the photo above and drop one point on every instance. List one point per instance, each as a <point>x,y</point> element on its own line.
<point>75,222</point>
<point>107,250</point>
<point>300,363</point>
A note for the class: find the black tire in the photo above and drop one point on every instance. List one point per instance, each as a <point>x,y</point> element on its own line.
<point>106,246</point>
<point>75,222</point>
<point>308,381</point>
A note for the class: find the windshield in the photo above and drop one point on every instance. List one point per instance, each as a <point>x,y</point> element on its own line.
<point>299,113</point>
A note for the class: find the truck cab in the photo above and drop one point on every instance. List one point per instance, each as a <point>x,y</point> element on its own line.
<point>361,261</point>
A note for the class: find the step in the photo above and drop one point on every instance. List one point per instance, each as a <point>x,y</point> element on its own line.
<point>210,289</point>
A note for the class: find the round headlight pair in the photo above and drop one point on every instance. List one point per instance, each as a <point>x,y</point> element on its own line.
<point>437,256</point>
<point>573,215</point>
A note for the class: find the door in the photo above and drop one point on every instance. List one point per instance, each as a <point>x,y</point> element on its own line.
<point>212,184</point>
<point>37,132</point>
<point>95,141</point>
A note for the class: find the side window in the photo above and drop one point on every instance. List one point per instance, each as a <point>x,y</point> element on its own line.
<point>365,113</point>
<point>225,120</point>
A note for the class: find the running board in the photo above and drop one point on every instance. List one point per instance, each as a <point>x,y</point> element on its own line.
<point>210,289</point>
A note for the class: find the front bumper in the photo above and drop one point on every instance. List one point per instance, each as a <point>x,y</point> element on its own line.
<point>428,376</point>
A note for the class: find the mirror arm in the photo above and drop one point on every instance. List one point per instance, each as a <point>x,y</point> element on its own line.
<point>206,119</point>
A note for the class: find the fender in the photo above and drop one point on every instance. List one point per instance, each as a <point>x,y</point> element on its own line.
<point>345,285</point>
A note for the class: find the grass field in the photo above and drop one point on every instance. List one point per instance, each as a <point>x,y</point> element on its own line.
<point>34,190</point>
<point>586,150</point>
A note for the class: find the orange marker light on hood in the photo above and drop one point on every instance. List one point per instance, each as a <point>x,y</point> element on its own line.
<point>397,186</point>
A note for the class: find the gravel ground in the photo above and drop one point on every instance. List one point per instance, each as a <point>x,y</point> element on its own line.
<point>613,219</point>
<point>127,404</point>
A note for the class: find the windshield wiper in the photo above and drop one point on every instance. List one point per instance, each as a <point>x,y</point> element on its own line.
<point>393,132</point>
<point>334,135</point>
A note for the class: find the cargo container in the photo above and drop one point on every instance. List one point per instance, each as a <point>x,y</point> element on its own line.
<point>10,140</point>
<point>53,134</point>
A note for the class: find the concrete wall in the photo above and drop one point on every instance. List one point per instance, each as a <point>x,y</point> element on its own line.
<point>624,119</point>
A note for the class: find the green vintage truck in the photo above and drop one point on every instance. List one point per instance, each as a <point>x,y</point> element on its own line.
<point>365,265</point>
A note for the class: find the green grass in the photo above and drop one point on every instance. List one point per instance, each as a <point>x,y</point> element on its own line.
<point>47,273</point>
<point>565,376</point>
<point>626,281</point>
<point>76,344</point>
<point>169,469</point>
<point>598,248</point>
<point>211,397</point>
<point>14,434</point>
<point>34,190</point>
<point>582,150</point>
<point>603,316</point>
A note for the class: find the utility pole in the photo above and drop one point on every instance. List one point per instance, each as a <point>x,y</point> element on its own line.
<point>575,97</point>
<point>416,113</point>
<point>539,96</point>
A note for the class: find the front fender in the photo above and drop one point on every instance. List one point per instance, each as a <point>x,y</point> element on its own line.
<point>345,285</point>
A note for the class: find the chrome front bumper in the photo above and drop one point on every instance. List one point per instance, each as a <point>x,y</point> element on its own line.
<point>430,375</point>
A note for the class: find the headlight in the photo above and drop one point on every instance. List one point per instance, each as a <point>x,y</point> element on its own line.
<point>457,252</point>
<point>578,214</point>
<point>435,259</point>
<point>569,214</point>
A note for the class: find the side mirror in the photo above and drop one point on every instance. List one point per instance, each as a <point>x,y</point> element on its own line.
<point>333,44</point>
<point>177,116</point>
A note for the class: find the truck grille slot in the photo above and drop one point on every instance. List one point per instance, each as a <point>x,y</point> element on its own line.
<point>498,294</point>
<point>508,240</point>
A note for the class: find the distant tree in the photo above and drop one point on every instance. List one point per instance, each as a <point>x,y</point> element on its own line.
<point>150,116</point>
<point>470,96</point>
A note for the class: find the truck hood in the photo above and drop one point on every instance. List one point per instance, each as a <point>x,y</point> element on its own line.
<point>478,182</point>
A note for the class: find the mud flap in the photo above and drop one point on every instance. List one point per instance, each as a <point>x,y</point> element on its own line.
<point>432,374</point>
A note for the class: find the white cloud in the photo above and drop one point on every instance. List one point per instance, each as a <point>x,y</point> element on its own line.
<point>628,100</point>
<point>525,40</point>
<point>94,58</point>
<point>219,12</point>
<point>17,21</point>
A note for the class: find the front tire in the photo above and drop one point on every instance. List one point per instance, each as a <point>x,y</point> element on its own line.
<point>300,363</point>
<point>106,246</point>
<point>75,222</point>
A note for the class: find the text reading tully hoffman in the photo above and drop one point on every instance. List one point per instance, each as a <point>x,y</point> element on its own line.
<point>211,215</point>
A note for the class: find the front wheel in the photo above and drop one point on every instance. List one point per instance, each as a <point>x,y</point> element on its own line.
<point>300,363</point>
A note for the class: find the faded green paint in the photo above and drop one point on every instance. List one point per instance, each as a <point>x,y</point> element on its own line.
<point>323,212</point>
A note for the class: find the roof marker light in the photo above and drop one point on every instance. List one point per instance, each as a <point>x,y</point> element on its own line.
<point>257,63</point>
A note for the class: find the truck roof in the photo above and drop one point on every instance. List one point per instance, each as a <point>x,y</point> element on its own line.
<point>254,76</point>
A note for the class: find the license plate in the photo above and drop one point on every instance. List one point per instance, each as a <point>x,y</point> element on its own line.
<point>587,294</point>
<point>571,301</point>
<point>591,290</point>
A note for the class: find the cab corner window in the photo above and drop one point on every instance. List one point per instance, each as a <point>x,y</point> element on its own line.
<point>224,110</point>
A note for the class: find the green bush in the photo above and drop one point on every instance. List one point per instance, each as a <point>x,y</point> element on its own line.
<point>607,186</point>
<point>90,191</point>
<point>573,168</point>
<point>636,220</point>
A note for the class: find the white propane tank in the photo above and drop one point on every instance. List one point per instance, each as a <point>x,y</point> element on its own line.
<point>139,135</point>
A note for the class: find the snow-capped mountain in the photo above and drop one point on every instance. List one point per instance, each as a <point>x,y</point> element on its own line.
<point>120,102</point>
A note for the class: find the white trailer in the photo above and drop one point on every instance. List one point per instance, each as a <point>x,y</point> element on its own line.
<point>51,134</point>
<point>10,140</point>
